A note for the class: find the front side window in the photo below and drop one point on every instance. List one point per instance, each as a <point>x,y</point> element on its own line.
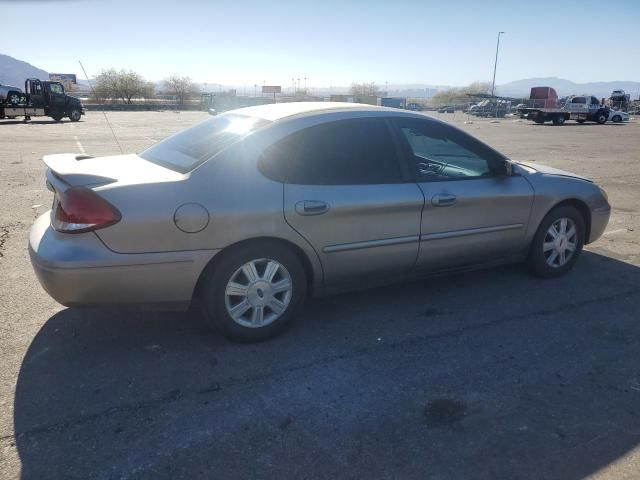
<point>343,152</point>
<point>189,148</point>
<point>56,88</point>
<point>439,152</point>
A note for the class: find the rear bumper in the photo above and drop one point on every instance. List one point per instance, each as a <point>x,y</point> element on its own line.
<point>599,220</point>
<point>78,269</point>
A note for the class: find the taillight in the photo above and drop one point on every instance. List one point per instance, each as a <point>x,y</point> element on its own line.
<point>79,209</point>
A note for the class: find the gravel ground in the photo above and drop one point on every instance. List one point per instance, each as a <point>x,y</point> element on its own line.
<point>488,375</point>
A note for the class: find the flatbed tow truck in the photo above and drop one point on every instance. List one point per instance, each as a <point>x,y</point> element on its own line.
<point>581,108</point>
<point>40,99</point>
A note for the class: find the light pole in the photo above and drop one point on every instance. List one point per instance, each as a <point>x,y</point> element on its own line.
<point>495,65</point>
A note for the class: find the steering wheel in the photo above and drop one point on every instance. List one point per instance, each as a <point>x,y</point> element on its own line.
<point>431,167</point>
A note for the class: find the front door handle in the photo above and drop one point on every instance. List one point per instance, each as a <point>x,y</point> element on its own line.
<point>312,207</point>
<point>443,200</point>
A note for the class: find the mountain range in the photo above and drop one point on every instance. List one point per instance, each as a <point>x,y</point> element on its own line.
<point>14,72</point>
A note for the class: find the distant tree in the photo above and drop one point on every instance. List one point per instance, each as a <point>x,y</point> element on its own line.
<point>148,90</point>
<point>461,95</point>
<point>181,87</point>
<point>124,85</point>
<point>364,89</point>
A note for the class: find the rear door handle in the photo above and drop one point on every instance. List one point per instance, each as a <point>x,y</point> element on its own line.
<point>312,207</point>
<point>443,200</point>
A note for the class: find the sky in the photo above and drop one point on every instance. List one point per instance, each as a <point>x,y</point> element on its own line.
<point>331,43</point>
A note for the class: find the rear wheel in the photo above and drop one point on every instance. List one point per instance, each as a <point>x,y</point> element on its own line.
<point>581,120</point>
<point>617,118</point>
<point>558,242</point>
<point>558,120</point>
<point>253,291</point>
<point>57,118</point>
<point>601,117</point>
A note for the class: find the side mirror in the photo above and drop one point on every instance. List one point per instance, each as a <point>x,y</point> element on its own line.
<point>508,168</point>
<point>504,169</point>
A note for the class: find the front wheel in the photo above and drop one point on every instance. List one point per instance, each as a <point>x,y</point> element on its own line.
<point>75,114</point>
<point>253,291</point>
<point>13,98</point>
<point>558,242</point>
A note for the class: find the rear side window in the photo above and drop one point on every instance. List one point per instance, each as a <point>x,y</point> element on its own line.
<point>186,150</point>
<point>579,100</point>
<point>343,152</point>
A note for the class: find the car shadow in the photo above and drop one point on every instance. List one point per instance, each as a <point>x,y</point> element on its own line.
<point>35,122</point>
<point>490,374</point>
<point>576,124</point>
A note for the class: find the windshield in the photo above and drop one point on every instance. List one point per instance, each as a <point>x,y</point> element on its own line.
<point>185,150</point>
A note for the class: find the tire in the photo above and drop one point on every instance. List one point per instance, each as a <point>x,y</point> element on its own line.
<point>558,120</point>
<point>601,117</point>
<point>13,98</point>
<point>248,295</point>
<point>57,118</point>
<point>75,114</point>
<point>545,259</point>
<point>616,119</point>
<point>539,120</point>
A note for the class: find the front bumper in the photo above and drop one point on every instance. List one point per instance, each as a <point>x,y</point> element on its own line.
<point>78,269</point>
<point>599,220</point>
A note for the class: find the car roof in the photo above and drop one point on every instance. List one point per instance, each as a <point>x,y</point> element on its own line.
<point>278,111</point>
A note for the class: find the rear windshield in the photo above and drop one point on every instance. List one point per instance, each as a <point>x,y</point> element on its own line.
<point>185,150</point>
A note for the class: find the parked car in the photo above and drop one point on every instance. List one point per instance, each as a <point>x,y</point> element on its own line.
<point>252,210</point>
<point>617,116</point>
<point>447,109</point>
<point>416,107</point>
<point>6,90</point>
<point>9,94</point>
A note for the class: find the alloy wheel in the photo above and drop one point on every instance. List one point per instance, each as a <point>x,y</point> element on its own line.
<point>560,242</point>
<point>258,293</point>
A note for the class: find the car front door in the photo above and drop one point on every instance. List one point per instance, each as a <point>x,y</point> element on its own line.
<point>57,100</point>
<point>347,192</point>
<point>473,210</point>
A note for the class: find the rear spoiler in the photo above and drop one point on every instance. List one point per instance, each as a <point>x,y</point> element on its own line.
<point>65,170</point>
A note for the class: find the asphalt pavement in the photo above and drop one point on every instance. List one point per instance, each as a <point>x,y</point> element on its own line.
<point>493,374</point>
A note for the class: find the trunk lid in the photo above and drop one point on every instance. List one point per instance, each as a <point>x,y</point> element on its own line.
<point>74,170</point>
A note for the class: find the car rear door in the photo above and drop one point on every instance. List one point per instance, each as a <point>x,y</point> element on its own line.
<point>472,212</point>
<point>347,192</point>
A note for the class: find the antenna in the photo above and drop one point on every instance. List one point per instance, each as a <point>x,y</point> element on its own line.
<point>103,112</point>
